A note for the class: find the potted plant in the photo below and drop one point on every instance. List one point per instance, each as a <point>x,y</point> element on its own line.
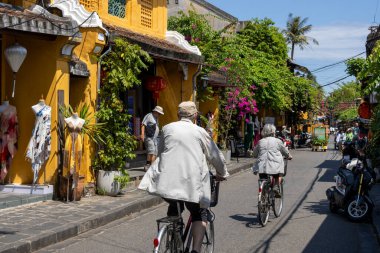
<point>121,68</point>
<point>319,144</point>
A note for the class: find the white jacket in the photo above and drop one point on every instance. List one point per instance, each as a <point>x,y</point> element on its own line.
<point>182,171</point>
<point>270,153</point>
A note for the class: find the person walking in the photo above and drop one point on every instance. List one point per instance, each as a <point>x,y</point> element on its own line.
<point>270,153</point>
<point>149,134</point>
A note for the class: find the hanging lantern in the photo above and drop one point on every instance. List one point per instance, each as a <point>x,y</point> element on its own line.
<point>15,55</point>
<point>155,84</point>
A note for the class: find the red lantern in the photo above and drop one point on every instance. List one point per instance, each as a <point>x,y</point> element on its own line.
<point>155,84</point>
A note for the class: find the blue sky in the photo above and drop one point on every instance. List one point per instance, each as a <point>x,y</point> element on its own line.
<point>340,26</point>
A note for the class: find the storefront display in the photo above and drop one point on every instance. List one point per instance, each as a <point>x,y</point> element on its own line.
<point>38,150</point>
<point>8,136</point>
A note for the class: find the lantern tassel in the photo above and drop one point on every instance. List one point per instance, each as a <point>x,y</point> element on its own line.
<point>14,85</point>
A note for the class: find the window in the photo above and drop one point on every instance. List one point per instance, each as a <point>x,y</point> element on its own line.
<point>146,13</point>
<point>90,5</point>
<point>117,8</point>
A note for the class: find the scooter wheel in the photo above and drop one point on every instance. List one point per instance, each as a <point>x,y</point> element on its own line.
<point>358,212</point>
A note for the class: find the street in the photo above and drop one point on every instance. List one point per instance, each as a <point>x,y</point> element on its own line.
<point>306,225</point>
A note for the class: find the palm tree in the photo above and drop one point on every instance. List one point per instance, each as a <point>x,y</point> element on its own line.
<point>296,28</point>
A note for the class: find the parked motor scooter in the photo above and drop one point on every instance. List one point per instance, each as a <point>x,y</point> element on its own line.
<point>304,140</point>
<point>351,191</point>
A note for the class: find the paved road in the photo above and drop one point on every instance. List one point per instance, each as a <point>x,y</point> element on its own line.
<point>305,226</point>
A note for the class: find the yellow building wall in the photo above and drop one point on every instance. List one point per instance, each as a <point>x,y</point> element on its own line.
<point>41,74</point>
<point>212,106</point>
<point>132,19</point>
<point>177,89</point>
<point>84,91</point>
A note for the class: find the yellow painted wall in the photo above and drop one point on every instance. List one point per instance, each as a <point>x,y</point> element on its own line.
<point>212,106</point>
<point>84,91</point>
<point>132,18</point>
<point>42,73</point>
<point>173,94</point>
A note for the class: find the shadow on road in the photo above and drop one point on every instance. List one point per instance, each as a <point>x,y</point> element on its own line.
<point>250,219</point>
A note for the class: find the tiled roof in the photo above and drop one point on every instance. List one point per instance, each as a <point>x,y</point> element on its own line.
<point>17,18</point>
<point>156,47</point>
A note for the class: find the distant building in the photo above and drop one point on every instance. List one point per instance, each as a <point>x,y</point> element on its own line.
<point>217,18</point>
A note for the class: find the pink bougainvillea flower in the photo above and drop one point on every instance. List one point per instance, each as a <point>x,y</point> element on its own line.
<point>197,40</point>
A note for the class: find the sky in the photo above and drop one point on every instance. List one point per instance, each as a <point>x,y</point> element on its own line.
<point>340,27</point>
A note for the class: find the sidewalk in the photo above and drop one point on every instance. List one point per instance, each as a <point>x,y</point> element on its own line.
<point>30,227</point>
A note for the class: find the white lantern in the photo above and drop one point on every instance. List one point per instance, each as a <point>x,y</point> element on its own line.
<point>15,55</point>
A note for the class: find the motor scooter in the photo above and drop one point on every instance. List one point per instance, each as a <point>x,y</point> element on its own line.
<point>287,142</point>
<point>351,191</point>
<point>304,140</point>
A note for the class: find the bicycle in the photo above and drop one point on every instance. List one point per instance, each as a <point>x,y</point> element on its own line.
<point>267,198</point>
<point>173,238</point>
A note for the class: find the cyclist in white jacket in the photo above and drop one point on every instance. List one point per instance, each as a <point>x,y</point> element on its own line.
<point>184,149</point>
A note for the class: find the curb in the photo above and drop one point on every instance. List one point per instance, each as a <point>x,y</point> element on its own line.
<point>71,230</point>
<point>60,234</point>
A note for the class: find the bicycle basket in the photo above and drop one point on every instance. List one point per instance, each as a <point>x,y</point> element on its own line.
<point>214,191</point>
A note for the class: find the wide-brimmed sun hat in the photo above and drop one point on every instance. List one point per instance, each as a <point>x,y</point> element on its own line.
<point>187,109</point>
<point>159,110</point>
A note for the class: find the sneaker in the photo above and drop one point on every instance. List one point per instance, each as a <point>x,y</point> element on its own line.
<point>276,190</point>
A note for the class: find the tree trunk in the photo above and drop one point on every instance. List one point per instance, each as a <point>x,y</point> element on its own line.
<point>292,52</point>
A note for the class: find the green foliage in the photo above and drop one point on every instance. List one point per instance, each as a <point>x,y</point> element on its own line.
<point>263,36</point>
<point>370,73</point>
<point>260,59</point>
<point>341,101</point>
<point>123,179</point>
<point>348,114</point>
<point>121,67</point>
<point>319,142</point>
<point>355,66</point>
<point>95,131</point>
<point>374,143</point>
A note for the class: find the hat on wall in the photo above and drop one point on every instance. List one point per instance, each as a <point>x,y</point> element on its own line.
<point>158,109</point>
<point>187,109</point>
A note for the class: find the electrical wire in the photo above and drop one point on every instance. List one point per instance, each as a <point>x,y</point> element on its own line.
<point>333,64</point>
<point>335,81</point>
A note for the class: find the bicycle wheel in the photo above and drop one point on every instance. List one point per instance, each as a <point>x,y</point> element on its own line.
<point>263,204</point>
<point>277,202</point>
<point>208,239</point>
<point>163,241</point>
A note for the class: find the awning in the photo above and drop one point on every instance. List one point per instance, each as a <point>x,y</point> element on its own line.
<point>156,47</point>
<point>37,20</point>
